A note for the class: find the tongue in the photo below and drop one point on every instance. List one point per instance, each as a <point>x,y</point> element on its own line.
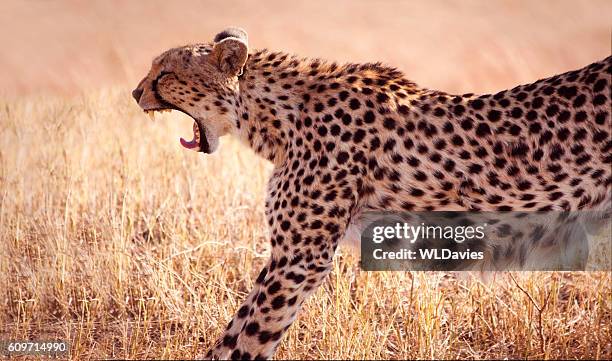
<point>189,144</point>
<point>195,142</point>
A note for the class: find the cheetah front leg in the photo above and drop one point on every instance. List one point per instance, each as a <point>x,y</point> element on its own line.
<point>271,307</point>
<point>305,234</point>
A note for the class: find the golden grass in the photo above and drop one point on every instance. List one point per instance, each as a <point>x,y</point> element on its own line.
<point>115,238</point>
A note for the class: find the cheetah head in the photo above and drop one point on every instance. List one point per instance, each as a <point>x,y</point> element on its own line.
<point>201,81</point>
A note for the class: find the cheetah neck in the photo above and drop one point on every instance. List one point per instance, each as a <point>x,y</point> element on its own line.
<point>280,96</point>
<point>269,104</point>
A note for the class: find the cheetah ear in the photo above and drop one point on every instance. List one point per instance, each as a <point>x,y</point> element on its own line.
<point>230,51</point>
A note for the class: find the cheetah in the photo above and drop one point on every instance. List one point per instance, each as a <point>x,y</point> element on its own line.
<point>348,138</point>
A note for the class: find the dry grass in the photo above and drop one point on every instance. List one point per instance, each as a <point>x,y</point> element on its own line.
<point>116,239</point>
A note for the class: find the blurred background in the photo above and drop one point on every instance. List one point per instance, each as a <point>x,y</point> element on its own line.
<point>68,47</point>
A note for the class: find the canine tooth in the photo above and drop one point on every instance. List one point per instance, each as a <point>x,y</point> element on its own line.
<point>151,115</point>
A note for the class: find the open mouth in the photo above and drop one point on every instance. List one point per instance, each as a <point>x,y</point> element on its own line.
<point>198,142</point>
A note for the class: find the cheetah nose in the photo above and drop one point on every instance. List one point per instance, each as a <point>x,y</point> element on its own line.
<point>137,93</point>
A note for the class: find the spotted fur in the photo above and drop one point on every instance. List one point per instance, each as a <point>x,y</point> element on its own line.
<point>354,137</point>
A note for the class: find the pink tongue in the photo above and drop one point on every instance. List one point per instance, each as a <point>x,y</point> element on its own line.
<point>195,142</point>
<point>189,144</point>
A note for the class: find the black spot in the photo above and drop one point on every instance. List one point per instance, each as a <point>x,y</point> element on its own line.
<point>579,101</point>
<point>243,311</point>
<point>475,168</point>
<point>599,136</point>
<point>374,143</point>
<point>292,301</point>
<point>538,154</point>
<point>278,302</point>
<point>515,129</point>
<point>532,115</point>
<point>556,152</point>
<point>483,129</point>
<point>296,278</point>
<point>599,85</point>
<point>261,298</point>
<point>264,337</point>
<point>567,92</point>
<point>600,118</point>
<point>274,287</point>
<point>415,192</point>
<point>382,97</point>
<point>545,137</point>
<point>262,275</point>
<point>285,225</point>
<point>440,144</point>
<point>369,117</point>
<point>555,195</point>
<point>252,328</point>
<point>458,110</point>
<point>519,150</point>
<point>389,123</point>
<point>359,135</point>
<point>523,185</point>
<point>420,176</point>
<point>581,116</point>
<point>230,341</point>
<point>500,163</point>
<point>580,134</point>
<point>563,134</point>
<point>342,157</point>
<point>599,99</point>
<point>537,102</point>
<point>449,165</point>
<point>439,112</point>
<point>389,145</point>
<point>494,115</point>
<point>467,124</point>
<point>535,128</point>
<point>563,116</point>
<point>551,110</point>
<point>317,224</point>
<point>516,112</point>
<point>476,104</point>
<point>457,140</point>
<point>414,162</point>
